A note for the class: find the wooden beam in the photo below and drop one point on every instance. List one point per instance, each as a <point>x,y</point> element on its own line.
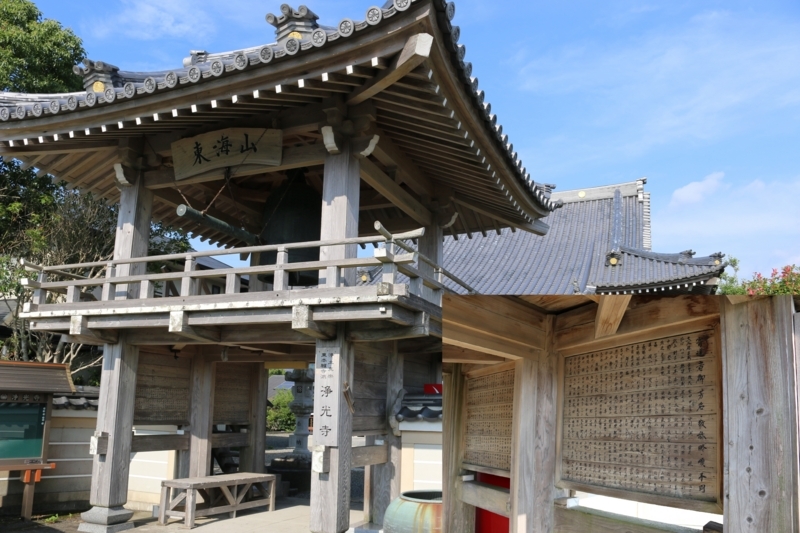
<point>54,148</point>
<point>537,227</point>
<point>416,50</point>
<point>761,416</point>
<point>393,192</point>
<point>497,325</point>
<point>303,322</point>
<point>179,324</point>
<point>610,311</point>
<point>201,416</point>
<point>79,330</point>
<point>484,496</point>
<point>458,516</point>
<point>391,156</point>
<point>586,520</point>
<point>645,319</point>
<point>293,157</point>
<point>109,487</point>
<point>454,354</point>
<point>370,455</point>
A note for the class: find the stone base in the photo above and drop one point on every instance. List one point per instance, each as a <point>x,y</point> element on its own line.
<point>106,520</point>
<point>102,528</point>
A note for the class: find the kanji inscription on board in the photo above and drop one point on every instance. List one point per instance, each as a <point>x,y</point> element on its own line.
<point>327,395</point>
<point>644,418</point>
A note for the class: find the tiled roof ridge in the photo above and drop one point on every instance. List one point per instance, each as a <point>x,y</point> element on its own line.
<point>297,31</point>
<point>685,257</point>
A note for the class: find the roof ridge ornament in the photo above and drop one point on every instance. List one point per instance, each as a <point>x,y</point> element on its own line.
<point>293,24</point>
<point>98,75</point>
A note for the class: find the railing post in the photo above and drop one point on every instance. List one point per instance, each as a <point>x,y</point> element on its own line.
<point>437,293</point>
<point>39,295</point>
<point>389,269</point>
<point>73,294</point>
<point>146,289</point>
<point>281,277</point>
<point>109,287</point>
<point>188,283</point>
<point>233,283</point>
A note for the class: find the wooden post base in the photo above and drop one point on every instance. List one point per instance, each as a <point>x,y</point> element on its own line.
<point>106,520</point>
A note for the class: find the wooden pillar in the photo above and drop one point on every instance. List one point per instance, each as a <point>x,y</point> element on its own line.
<point>431,245</point>
<point>385,478</point>
<point>251,459</point>
<point>133,233</point>
<point>761,416</point>
<point>458,516</point>
<point>201,416</point>
<point>333,429</point>
<point>109,490</point>
<point>340,199</point>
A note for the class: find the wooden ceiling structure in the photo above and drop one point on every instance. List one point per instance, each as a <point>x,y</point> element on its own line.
<point>398,78</point>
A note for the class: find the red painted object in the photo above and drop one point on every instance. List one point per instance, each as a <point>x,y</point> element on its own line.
<point>432,388</point>
<point>486,521</point>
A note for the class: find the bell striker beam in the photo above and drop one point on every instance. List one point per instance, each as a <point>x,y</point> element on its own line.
<point>333,428</point>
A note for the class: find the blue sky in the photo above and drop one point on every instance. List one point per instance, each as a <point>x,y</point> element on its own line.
<point>701,97</point>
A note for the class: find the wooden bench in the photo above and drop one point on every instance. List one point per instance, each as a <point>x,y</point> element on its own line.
<point>221,494</point>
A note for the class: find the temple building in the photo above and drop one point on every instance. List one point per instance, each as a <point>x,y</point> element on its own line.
<point>370,133</point>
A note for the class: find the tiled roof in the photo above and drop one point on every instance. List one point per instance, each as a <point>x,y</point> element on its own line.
<point>593,227</point>
<point>298,34</point>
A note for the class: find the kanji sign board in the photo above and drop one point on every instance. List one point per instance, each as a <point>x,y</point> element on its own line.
<point>230,147</point>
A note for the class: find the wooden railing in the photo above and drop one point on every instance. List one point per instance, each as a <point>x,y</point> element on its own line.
<point>118,287</point>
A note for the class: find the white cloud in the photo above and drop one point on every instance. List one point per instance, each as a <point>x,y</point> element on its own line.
<point>698,191</point>
<point>158,19</point>
<point>709,78</point>
<point>756,221</point>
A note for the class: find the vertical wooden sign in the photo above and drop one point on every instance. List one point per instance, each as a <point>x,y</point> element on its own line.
<point>327,397</point>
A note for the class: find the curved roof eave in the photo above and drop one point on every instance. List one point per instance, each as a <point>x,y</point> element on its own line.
<point>241,71</point>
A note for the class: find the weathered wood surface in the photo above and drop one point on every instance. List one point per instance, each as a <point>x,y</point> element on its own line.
<point>341,186</point>
<point>330,491</point>
<point>251,458</point>
<point>133,234</point>
<point>201,416</point>
<point>231,491</point>
<point>228,147</point>
<point>162,389</point>
<point>644,418</point>
<point>457,515</point>
<point>484,496</point>
<point>524,469</point>
<point>488,422</point>
<point>585,520</point>
<point>115,419</point>
<point>644,320</point>
<point>232,393</point>
<point>760,369</point>
<point>610,310</point>
<point>385,478</point>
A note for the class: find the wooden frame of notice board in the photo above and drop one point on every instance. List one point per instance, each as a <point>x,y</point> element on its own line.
<point>32,461</point>
<point>670,402</point>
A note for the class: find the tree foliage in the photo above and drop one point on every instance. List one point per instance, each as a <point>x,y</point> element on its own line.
<point>36,54</point>
<point>279,416</point>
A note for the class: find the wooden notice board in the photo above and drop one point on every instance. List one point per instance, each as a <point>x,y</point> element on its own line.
<point>490,407</point>
<point>643,422</point>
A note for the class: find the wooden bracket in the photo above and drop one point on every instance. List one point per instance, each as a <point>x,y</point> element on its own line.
<point>414,53</point>
<point>332,140</point>
<point>364,146</point>
<point>124,176</point>
<point>179,323</point>
<point>303,322</point>
<point>79,331</point>
<point>422,327</point>
<point>610,310</point>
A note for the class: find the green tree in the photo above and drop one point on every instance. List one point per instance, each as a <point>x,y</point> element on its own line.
<point>279,416</point>
<point>36,54</point>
